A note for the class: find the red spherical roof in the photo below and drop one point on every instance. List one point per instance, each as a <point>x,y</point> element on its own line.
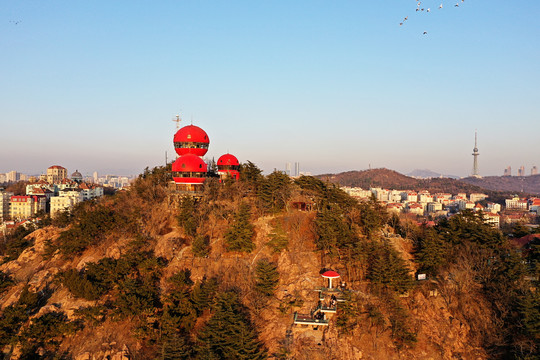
<point>330,274</point>
<point>189,163</point>
<point>227,159</point>
<point>191,139</point>
<point>191,133</point>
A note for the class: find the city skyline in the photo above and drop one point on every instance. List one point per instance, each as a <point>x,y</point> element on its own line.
<point>333,86</point>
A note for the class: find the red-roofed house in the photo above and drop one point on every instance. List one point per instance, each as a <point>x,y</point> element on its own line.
<point>415,208</point>
<point>395,207</point>
<point>534,205</point>
<point>23,207</point>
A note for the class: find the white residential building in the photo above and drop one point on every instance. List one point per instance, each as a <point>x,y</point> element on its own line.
<point>492,219</point>
<point>493,207</point>
<point>357,192</point>
<point>425,198</point>
<point>516,204</point>
<point>433,207</point>
<point>412,197</point>
<point>476,197</point>
<point>66,200</point>
<point>464,204</point>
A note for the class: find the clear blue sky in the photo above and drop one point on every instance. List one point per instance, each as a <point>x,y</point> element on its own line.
<point>334,85</point>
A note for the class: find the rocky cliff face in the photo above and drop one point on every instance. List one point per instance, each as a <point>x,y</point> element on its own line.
<point>442,330</point>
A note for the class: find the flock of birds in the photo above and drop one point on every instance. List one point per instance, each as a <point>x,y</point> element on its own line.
<point>420,8</point>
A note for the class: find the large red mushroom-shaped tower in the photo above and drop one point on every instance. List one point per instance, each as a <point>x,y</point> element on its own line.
<point>189,172</point>
<point>191,139</point>
<point>228,166</point>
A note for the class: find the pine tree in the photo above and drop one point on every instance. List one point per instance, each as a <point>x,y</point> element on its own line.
<point>431,251</point>
<point>176,347</point>
<point>179,313</point>
<point>278,238</point>
<point>388,269</point>
<point>229,334</point>
<point>188,215</point>
<point>250,174</point>
<point>203,294</point>
<point>239,236</point>
<point>332,230</point>
<point>274,191</point>
<point>201,245</point>
<point>266,277</point>
<point>372,217</point>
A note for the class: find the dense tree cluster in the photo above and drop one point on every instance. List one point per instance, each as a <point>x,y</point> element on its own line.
<point>229,333</point>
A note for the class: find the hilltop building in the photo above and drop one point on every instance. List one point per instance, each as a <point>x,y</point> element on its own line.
<point>189,171</point>
<point>228,167</point>
<point>56,174</point>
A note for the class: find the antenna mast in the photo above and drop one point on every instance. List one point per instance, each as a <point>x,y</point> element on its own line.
<point>177,121</point>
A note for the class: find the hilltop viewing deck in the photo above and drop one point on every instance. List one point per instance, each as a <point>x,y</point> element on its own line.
<point>307,319</point>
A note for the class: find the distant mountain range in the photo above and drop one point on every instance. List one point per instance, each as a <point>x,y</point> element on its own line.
<point>497,187</point>
<point>427,174</point>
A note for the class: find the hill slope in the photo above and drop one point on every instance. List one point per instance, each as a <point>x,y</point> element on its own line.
<point>152,273</point>
<point>385,178</point>
<point>526,184</point>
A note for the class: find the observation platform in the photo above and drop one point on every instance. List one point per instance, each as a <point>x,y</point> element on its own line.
<point>306,319</point>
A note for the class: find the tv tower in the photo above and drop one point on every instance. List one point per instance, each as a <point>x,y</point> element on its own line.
<point>475,155</point>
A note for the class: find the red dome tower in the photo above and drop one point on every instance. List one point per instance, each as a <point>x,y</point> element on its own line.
<point>228,166</point>
<point>189,172</point>
<point>191,139</point>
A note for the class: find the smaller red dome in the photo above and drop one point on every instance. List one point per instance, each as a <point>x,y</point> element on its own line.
<point>228,166</point>
<point>189,169</point>
<point>191,139</point>
<point>228,159</point>
<point>330,274</point>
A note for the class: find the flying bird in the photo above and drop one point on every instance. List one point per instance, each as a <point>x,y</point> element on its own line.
<point>457,5</point>
<point>425,32</point>
<point>428,10</point>
<point>440,6</point>
<point>400,24</point>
